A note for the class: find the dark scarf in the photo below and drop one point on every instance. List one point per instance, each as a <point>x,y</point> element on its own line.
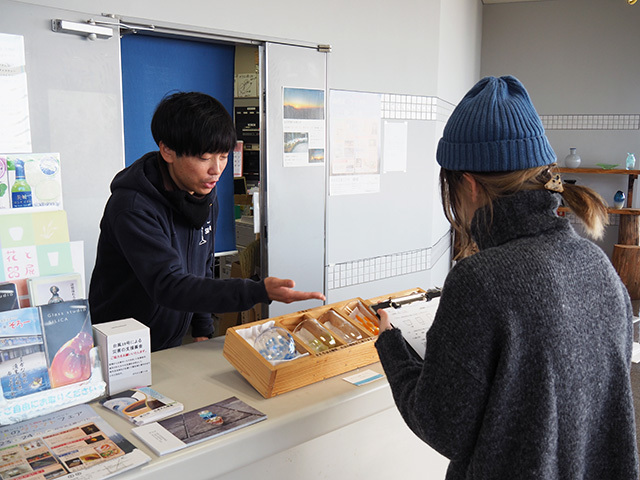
<point>195,209</point>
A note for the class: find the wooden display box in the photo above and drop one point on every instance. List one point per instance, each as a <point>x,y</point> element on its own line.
<point>271,380</point>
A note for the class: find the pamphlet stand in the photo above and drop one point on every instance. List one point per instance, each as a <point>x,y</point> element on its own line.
<point>49,401</point>
<point>273,379</point>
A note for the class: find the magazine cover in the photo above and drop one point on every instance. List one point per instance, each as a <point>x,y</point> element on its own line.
<point>72,443</point>
<point>195,426</point>
<point>55,289</point>
<point>9,299</point>
<point>142,405</point>
<point>23,363</point>
<point>68,339</point>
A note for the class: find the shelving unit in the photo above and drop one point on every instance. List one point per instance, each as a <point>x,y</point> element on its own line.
<point>632,174</point>
<point>626,253</point>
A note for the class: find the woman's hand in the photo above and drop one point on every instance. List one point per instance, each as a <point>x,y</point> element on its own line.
<point>385,324</point>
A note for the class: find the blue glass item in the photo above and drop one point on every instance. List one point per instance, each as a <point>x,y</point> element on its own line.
<point>631,161</point>
<point>618,199</point>
<point>276,343</point>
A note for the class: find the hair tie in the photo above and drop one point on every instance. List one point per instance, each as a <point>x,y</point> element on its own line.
<point>555,184</point>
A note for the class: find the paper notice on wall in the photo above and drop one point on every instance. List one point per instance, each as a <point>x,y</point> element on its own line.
<point>15,128</point>
<point>394,149</point>
<point>304,127</point>
<point>355,136</point>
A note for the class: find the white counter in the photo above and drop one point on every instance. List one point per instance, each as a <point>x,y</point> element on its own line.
<point>331,429</point>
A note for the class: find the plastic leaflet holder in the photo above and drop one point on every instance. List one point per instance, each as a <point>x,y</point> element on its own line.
<point>49,401</point>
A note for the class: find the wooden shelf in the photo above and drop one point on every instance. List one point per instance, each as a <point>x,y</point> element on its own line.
<point>619,211</point>
<point>631,174</point>
<point>618,171</point>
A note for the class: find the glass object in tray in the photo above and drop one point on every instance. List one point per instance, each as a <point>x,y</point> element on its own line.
<point>363,317</point>
<point>314,335</point>
<point>276,343</point>
<point>340,327</point>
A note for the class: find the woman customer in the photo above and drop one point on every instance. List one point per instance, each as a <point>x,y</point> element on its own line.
<point>526,374</point>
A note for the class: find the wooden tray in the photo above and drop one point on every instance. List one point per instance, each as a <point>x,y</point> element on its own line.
<point>271,380</point>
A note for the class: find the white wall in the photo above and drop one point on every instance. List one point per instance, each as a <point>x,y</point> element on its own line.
<point>574,57</point>
<point>377,45</point>
<point>410,47</point>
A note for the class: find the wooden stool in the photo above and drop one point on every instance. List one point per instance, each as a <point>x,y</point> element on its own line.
<point>629,230</point>
<point>626,261</point>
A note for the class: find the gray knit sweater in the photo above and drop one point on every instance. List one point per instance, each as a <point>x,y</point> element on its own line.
<point>526,374</point>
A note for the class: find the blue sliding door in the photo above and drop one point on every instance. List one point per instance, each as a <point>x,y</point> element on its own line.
<point>153,67</point>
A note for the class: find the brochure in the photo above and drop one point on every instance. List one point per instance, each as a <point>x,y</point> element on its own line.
<point>195,426</point>
<point>68,339</point>
<point>9,299</point>
<point>142,405</point>
<point>23,369</point>
<point>71,443</point>
<point>48,289</point>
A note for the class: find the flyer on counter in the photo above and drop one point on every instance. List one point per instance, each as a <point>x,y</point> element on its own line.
<point>197,425</point>
<point>72,443</point>
<point>142,405</point>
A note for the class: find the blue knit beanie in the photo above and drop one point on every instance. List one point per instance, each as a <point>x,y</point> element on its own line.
<point>494,128</point>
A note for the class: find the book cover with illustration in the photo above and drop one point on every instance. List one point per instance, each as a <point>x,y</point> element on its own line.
<point>195,426</point>
<point>68,339</point>
<point>142,405</point>
<point>23,362</point>
<point>55,288</point>
<point>9,297</point>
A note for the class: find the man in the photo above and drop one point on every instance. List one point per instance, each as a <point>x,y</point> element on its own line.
<point>155,251</point>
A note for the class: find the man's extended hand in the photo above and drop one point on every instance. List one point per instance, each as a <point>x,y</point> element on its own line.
<point>281,290</point>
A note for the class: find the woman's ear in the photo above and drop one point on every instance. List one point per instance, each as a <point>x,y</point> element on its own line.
<point>472,186</point>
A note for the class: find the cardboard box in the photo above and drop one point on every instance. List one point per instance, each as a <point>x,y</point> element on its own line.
<point>223,321</point>
<point>252,315</point>
<point>125,354</point>
<point>271,380</point>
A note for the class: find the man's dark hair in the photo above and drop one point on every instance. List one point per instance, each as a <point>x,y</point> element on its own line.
<point>193,123</point>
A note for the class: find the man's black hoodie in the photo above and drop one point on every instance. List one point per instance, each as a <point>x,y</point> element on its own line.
<point>153,265</point>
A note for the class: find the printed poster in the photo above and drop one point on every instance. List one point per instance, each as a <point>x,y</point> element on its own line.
<point>355,134</point>
<point>304,127</point>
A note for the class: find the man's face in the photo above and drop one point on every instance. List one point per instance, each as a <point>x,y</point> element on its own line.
<point>196,175</point>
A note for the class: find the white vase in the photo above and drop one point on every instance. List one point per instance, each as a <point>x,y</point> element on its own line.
<point>573,159</point>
